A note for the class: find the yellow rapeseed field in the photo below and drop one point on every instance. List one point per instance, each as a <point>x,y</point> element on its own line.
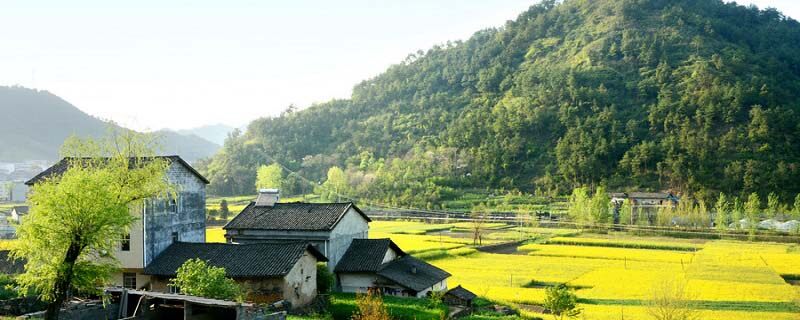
<point>725,279</point>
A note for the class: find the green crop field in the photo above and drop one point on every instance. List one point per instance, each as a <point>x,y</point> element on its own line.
<point>616,276</point>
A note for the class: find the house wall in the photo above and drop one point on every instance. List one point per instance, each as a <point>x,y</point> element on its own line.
<point>300,285</point>
<point>189,222</point>
<point>351,226</point>
<point>133,259</point>
<point>357,282</point>
<point>143,281</point>
<point>438,287</point>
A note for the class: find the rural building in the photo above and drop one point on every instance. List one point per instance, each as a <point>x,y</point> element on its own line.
<point>18,212</point>
<point>330,227</point>
<point>381,264</point>
<point>646,203</point>
<point>459,296</point>
<point>268,272</point>
<point>160,222</point>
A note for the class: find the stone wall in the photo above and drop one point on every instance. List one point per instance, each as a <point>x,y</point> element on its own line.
<point>20,306</point>
<point>93,310</point>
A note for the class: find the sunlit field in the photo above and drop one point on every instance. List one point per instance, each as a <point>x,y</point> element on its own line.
<point>616,276</point>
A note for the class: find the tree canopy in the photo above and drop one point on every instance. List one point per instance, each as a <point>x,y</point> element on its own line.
<point>697,96</point>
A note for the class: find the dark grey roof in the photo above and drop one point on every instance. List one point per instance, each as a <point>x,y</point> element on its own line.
<point>292,216</point>
<point>62,166</point>
<point>461,293</point>
<point>8,266</point>
<point>648,195</point>
<point>239,260</point>
<point>366,255</point>
<point>412,273</point>
<point>21,209</point>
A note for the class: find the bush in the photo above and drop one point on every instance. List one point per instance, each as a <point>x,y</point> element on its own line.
<point>197,278</point>
<point>324,278</point>
<point>561,302</point>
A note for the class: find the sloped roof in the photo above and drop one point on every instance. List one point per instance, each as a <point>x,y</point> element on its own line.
<point>62,166</point>
<point>461,293</point>
<point>366,255</point>
<point>649,195</point>
<point>21,209</point>
<point>412,273</point>
<point>292,216</point>
<point>239,260</point>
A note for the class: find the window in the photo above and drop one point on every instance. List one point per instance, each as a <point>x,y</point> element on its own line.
<point>172,205</point>
<point>126,242</point>
<point>175,237</point>
<point>129,280</point>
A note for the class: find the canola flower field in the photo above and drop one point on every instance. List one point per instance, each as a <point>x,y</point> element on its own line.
<point>615,276</point>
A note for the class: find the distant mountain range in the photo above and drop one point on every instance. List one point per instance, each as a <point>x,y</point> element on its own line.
<point>215,133</point>
<point>35,124</point>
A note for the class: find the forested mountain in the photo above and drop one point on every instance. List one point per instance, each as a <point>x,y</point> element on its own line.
<point>35,123</point>
<point>696,96</point>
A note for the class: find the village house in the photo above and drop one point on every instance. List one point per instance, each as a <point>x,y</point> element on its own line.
<point>643,203</point>
<point>160,222</point>
<point>267,272</point>
<point>330,227</point>
<point>380,264</point>
<point>17,212</point>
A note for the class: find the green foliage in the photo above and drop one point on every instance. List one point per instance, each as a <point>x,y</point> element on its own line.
<point>752,210</point>
<point>561,302</point>
<point>269,177</point>
<point>626,215</point>
<point>796,207</point>
<point>692,95</point>
<point>196,278</point>
<point>336,185</point>
<point>723,212</point>
<point>325,278</point>
<point>77,219</point>
<point>224,212</point>
<point>343,306</point>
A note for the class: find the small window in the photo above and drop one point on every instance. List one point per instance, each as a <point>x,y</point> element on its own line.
<point>129,280</point>
<point>126,242</point>
<point>175,237</point>
<point>172,205</point>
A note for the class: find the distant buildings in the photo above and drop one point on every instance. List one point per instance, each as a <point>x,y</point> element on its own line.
<point>643,203</point>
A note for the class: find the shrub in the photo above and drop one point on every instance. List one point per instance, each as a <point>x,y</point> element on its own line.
<point>370,307</point>
<point>197,278</point>
<point>324,278</point>
<point>561,302</point>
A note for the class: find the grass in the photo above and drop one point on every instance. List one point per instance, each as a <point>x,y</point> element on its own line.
<point>615,274</point>
<point>343,305</point>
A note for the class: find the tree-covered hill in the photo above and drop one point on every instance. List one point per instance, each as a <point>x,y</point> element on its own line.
<point>34,124</point>
<point>695,96</point>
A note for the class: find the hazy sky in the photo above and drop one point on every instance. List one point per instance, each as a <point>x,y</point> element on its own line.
<point>151,64</point>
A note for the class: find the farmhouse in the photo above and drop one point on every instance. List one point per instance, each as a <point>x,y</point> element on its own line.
<point>381,264</point>
<point>18,212</point>
<point>330,227</point>
<point>268,272</point>
<point>160,223</point>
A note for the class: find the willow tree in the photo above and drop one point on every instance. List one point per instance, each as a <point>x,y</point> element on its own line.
<point>77,218</point>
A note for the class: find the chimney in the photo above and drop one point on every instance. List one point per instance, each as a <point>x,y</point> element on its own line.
<point>267,197</point>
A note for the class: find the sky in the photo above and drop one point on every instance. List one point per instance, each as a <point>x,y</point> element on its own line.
<point>153,64</point>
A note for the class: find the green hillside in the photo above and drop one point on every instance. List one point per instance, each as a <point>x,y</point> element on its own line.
<point>695,96</point>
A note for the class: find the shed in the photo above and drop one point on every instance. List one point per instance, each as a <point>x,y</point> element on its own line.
<point>459,296</point>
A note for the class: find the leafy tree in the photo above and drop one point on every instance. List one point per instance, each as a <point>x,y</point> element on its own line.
<point>224,212</point>
<point>738,212</point>
<point>601,206</point>
<point>626,214</point>
<point>76,218</point>
<point>580,205</point>
<point>561,302</point>
<point>773,205</point>
<point>196,278</point>
<point>336,185</point>
<point>796,208</point>
<point>478,219</point>
<point>752,210</point>
<point>269,177</point>
<point>325,279</point>
<point>723,212</point>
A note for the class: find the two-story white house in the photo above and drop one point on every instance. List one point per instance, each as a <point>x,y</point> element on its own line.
<point>159,223</point>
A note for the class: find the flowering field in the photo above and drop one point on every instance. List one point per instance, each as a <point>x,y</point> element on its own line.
<point>614,279</point>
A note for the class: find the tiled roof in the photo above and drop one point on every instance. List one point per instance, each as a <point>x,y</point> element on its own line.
<point>366,255</point>
<point>461,293</point>
<point>648,195</point>
<point>239,260</point>
<point>292,216</point>
<point>412,273</point>
<point>8,266</point>
<point>62,166</point>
